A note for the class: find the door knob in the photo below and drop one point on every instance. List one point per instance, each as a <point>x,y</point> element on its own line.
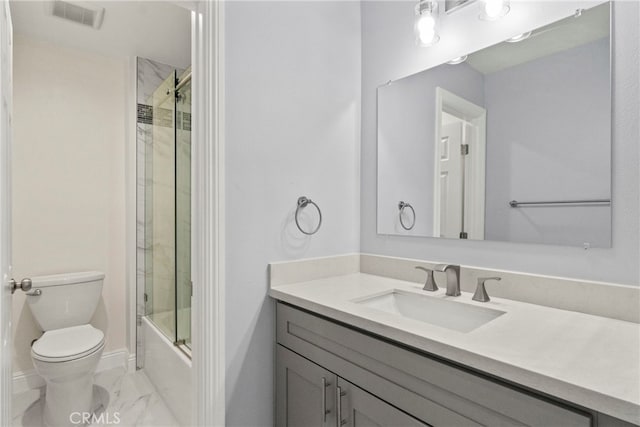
<point>25,285</point>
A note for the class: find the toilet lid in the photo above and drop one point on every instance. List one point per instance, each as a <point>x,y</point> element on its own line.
<point>61,345</point>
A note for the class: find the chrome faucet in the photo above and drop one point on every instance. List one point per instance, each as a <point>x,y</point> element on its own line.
<point>453,278</point>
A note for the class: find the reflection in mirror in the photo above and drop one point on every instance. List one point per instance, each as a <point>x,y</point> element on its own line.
<point>510,143</point>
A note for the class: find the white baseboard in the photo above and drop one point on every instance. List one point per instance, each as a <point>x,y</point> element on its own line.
<point>131,363</point>
<point>29,380</point>
<point>26,380</point>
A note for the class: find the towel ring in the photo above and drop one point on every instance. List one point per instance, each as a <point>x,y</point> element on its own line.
<point>401,206</point>
<point>303,202</point>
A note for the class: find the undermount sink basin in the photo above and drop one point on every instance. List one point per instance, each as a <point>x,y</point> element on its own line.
<point>434,310</point>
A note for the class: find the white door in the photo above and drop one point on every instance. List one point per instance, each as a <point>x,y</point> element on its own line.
<point>451,180</point>
<point>6,338</point>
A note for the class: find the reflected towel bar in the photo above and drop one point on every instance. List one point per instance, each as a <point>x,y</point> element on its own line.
<point>401,207</point>
<point>595,202</point>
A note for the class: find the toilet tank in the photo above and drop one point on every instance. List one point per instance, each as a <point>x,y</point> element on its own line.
<point>65,300</point>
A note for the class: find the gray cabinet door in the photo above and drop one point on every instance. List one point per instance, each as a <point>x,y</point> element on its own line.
<point>357,408</point>
<point>305,392</point>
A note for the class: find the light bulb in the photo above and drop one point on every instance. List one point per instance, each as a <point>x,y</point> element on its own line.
<point>494,9</point>
<point>426,22</point>
<point>426,30</point>
<point>425,26</point>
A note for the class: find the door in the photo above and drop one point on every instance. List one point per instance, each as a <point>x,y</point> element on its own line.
<point>459,180</point>
<point>357,408</point>
<point>305,392</point>
<point>451,180</point>
<point>6,338</point>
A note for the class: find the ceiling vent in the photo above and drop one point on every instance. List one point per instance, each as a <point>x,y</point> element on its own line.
<point>82,13</point>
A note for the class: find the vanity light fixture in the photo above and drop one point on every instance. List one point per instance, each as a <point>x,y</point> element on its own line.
<point>426,22</point>
<point>491,10</point>
<point>426,19</point>
<point>458,60</point>
<point>519,37</point>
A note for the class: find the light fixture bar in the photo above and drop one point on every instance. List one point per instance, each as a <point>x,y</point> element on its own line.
<point>451,6</point>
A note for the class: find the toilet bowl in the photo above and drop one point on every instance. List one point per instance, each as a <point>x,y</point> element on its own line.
<point>67,359</point>
<point>67,354</point>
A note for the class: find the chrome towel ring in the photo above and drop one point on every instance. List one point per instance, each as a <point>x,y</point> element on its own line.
<point>303,202</point>
<point>401,206</point>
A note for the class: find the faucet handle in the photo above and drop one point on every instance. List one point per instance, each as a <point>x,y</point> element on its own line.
<point>481,293</point>
<point>430,284</point>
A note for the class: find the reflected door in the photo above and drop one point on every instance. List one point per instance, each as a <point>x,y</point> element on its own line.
<point>451,180</point>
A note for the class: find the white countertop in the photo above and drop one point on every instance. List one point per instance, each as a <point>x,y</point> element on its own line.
<point>588,360</point>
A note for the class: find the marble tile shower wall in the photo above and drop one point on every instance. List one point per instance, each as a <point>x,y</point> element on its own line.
<point>162,231</point>
<point>150,75</point>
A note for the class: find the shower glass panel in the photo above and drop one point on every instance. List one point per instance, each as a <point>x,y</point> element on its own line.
<point>160,290</point>
<point>168,210</point>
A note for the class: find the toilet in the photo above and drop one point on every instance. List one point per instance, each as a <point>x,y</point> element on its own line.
<point>67,354</point>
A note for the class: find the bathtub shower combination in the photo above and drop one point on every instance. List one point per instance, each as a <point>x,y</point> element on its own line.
<point>164,231</point>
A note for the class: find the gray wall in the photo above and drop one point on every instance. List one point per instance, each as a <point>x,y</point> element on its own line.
<point>292,128</point>
<point>548,138</point>
<point>406,111</point>
<point>391,53</point>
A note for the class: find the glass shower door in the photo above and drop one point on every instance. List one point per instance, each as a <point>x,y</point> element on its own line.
<point>168,210</point>
<point>160,212</point>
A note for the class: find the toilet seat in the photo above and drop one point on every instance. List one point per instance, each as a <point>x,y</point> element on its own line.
<point>66,344</point>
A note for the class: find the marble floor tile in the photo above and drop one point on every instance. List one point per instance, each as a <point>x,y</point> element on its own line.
<point>120,399</point>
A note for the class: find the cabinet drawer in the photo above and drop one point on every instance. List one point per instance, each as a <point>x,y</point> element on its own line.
<point>435,392</point>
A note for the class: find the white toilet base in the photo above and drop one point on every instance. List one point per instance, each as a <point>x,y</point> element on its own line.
<point>67,402</point>
<point>69,390</point>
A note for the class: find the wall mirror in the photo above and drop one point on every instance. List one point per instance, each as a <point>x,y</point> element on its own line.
<point>509,143</point>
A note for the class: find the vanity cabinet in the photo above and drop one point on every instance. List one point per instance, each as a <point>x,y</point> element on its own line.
<point>308,396</point>
<point>388,384</point>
